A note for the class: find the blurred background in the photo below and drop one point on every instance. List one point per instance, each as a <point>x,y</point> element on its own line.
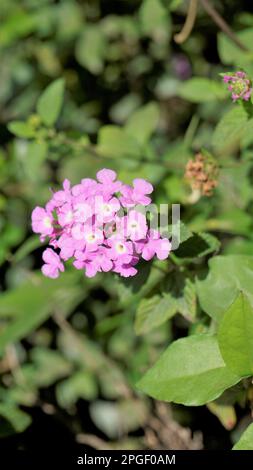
<point>72,349</point>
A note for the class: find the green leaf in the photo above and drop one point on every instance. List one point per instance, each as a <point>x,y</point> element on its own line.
<point>143,122</point>
<point>197,246</point>
<point>22,129</point>
<point>91,48</point>
<point>50,102</point>
<point>36,154</point>
<point>153,312</point>
<point>230,53</point>
<point>227,277</point>
<point>16,25</point>
<point>72,168</point>
<point>155,20</point>
<point>80,385</point>
<point>235,336</point>
<point>229,130</point>
<point>174,4</point>
<point>18,419</point>
<point>232,221</point>
<point>246,440</point>
<point>191,372</point>
<point>180,231</point>
<point>200,90</point>
<point>115,142</point>
<point>29,245</point>
<point>187,305</point>
<point>49,366</point>
<point>30,304</point>
<point>247,138</point>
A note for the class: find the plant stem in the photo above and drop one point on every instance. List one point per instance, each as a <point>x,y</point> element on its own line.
<point>223,25</point>
<point>189,23</point>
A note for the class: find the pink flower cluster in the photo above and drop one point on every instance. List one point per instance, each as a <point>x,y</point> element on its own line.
<point>97,224</point>
<point>239,84</point>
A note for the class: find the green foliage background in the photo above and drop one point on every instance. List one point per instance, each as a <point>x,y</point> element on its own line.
<point>101,83</point>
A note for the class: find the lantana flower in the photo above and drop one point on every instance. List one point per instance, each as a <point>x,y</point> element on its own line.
<point>239,84</point>
<point>98,224</point>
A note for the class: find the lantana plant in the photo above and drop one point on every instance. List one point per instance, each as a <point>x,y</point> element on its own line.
<point>99,225</point>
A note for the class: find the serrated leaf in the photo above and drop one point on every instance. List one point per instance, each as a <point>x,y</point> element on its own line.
<point>198,245</point>
<point>191,372</point>
<point>235,336</point>
<point>50,102</point>
<point>246,440</point>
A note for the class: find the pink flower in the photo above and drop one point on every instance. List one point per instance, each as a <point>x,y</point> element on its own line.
<point>90,234</point>
<point>103,260</point>
<point>120,250</point>
<point>82,210</point>
<point>239,84</point>
<point>96,224</point>
<point>52,264</point>
<point>108,182</point>
<point>42,221</point>
<point>65,214</point>
<point>155,245</point>
<point>86,188</point>
<point>93,237</point>
<point>62,196</point>
<point>141,188</point>
<point>68,246</point>
<point>93,262</point>
<point>106,210</point>
<point>137,194</point>
<point>136,225</point>
<point>126,270</point>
